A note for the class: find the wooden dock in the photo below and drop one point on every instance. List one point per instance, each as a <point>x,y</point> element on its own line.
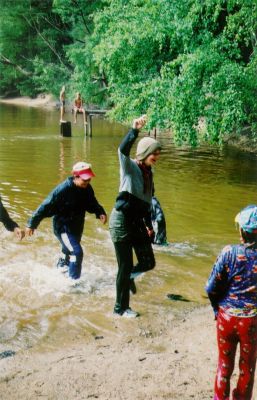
<point>89,120</point>
<point>65,126</point>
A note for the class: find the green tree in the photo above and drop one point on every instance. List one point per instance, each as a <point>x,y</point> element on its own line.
<point>182,63</point>
<point>190,65</point>
<point>32,40</point>
<point>86,76</point>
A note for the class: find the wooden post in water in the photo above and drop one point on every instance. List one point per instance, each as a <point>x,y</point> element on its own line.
<point>154,132</point>
<point>90,125</point>
<point>86,125</point>
<point>65,129</point>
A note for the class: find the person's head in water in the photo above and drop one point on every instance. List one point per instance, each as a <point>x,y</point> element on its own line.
<point>82,173</point>
<point>247,222</point>
<point>148,151</point>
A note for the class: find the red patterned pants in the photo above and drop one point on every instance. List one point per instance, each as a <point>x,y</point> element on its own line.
<point>230,332</point>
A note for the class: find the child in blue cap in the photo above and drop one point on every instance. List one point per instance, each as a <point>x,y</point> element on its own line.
<point>232,290</point>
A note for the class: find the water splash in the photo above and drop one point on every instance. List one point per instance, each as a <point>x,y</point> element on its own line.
<point>183,249</point>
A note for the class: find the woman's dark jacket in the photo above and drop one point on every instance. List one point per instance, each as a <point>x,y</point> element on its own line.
<point>9,224</point>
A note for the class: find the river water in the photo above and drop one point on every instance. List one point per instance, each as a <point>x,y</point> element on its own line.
<point>200,192</point>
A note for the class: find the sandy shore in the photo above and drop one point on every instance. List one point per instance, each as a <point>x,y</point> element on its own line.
<point>42,100</point>
<point>139,361</point>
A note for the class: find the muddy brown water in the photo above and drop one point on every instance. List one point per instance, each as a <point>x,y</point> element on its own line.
<point>200,192</point>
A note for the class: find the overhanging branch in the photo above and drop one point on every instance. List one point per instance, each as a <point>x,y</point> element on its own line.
<point>6,61</point>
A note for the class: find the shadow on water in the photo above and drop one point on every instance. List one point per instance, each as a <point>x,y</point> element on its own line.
<point>177,297</point>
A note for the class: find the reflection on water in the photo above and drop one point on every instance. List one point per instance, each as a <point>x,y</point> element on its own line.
<point>200,192</point>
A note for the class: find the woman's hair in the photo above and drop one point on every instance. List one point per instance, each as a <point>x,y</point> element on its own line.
<point>249,237</point>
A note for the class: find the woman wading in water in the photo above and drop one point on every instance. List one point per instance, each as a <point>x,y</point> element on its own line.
<point>130,222</point>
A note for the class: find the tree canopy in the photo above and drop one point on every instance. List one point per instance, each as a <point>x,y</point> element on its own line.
<point>190,65</point>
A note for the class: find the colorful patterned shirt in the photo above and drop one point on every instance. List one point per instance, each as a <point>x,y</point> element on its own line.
<point>232,285</point>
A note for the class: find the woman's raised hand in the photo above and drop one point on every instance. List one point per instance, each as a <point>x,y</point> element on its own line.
<point>138,123</point>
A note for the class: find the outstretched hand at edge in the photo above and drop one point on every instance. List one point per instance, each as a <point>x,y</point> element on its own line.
<point>103,218</point>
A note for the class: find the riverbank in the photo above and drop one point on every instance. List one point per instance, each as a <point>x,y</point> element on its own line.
<point>139,360</point>
<point>42,100</point>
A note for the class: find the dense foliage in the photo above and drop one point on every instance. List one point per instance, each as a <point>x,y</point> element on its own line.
<point>190,65</point>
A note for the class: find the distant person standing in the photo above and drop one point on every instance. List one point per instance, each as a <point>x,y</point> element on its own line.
<point>62,104</point>
<point>130,221</point>
<point>78,108</point>
<point>68,204</point>
<point>232,290</point>
<point>9,224</point>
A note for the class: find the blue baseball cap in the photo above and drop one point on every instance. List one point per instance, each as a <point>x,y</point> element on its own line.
<point>247,219</point>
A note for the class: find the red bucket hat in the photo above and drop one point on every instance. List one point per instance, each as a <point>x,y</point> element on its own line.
<point>83,170</point>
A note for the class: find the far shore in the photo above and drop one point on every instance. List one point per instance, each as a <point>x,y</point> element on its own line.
<point>42,100</point>
<point>243,142</point>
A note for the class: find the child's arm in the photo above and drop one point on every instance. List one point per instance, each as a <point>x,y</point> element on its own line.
<point>217,283</point>
<point>47,208</point>
<point>93,207</point>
